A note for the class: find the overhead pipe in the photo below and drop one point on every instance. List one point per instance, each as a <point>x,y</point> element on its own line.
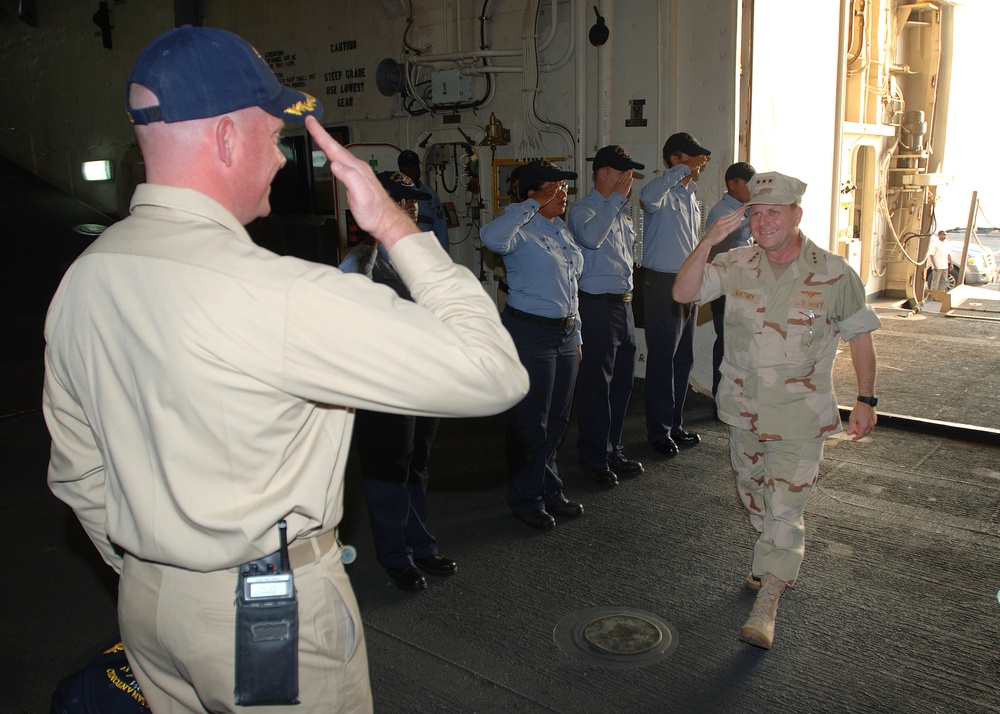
<point>460,56</point>
<point>491,69</point>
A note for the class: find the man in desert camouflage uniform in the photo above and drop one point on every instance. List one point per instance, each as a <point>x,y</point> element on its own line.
<point>788,305</point>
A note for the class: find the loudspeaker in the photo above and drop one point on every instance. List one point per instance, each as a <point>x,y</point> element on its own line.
<point>389,77</point>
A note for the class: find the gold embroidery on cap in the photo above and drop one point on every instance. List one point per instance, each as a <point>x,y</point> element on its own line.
<point>302,107</point>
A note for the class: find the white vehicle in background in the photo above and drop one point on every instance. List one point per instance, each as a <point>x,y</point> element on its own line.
<point>981,264</point>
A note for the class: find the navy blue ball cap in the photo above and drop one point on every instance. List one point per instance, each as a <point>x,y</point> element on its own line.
<point>682,142</point>
<point>534,174</point>
<point>617,157</point>
<point>399,186</point>
<point>740,170</point>
<point>199,72</point>
<point>408,158</point>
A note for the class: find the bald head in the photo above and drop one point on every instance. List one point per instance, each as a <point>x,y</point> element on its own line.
<point>231,158</point>
<point>169,149</point>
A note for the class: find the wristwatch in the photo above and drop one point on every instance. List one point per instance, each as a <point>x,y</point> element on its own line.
<point>870,401</point>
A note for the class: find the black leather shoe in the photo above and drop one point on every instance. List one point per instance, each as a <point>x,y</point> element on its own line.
<point>685,440</point>
<point>541,520</point>
<point>605,477</point>
<point>407,578</point>
<point>565,508</point>
<point>437,564</point>
<point>666,446</point>
<point>627,467</point>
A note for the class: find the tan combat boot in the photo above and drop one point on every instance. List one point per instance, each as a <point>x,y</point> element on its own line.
<point>759,629</point>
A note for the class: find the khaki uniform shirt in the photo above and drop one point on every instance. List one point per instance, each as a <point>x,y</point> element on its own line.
<point>200,388</point>
<point>781,337</point>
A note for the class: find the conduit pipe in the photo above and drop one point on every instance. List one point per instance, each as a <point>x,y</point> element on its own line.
<point>491,70</point>
<point>838,128</point>
<point>605,56</point>
<point>552,29</point>
<point>580,32</point>
<point>567,55</point>
<point>571,45</point>
<point>480,54</point>
<point>462,56</point>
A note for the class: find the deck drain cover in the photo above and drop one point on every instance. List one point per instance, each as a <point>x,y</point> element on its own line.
<point>89,229</point>
<point>615,637</point>
<point>622,634</point>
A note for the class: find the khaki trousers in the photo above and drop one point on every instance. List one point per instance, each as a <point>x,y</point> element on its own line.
<point>939,279</point>
<point>178,630</point>
<point>774,480</point>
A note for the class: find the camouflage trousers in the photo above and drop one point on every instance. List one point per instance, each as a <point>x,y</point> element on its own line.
<point>774,480</point>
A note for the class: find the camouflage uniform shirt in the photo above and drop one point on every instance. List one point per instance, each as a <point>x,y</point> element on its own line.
<point>781,337</point>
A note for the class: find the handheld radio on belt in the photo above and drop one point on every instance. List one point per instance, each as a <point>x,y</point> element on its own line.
<point>267,630</point>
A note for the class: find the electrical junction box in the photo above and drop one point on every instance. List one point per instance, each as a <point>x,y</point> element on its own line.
<point>438,155</point>
<point>451,87</point>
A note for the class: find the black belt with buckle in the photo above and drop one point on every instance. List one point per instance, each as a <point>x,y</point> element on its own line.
<point>608,297</point>
<point>538,319</point>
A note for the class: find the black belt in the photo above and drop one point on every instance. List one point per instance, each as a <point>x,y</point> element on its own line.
<point>660,274</point>
<point>608,297</point>
<point>538,319</point>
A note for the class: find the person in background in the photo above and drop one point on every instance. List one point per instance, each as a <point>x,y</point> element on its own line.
<point>789,304</point>
<point>200,390</point>
<point>430,211</point>
<point>394,449</point>
<point>939,261</point>
<point>673,225</point>
<point>736,195</point>
<point>602,227</point>
<point>543,271</point>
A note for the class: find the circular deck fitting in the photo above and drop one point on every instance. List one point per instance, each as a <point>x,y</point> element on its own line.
<point>89,229</point>
<point>616,637</point>
<point>622,634</point>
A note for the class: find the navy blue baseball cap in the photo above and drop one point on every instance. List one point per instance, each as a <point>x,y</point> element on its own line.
<point>740,170</point>
<point>399,186</point>
<point>682,142</point>
<point>407,158</point>
<point>534,174</point>
<point>617,158</point>
<point>199,72</point>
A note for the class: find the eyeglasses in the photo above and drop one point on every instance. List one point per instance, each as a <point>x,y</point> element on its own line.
<point>807,339</point>
<point>561,187</point>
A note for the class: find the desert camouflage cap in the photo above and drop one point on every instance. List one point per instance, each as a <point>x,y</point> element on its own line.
<point>775,189</point>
